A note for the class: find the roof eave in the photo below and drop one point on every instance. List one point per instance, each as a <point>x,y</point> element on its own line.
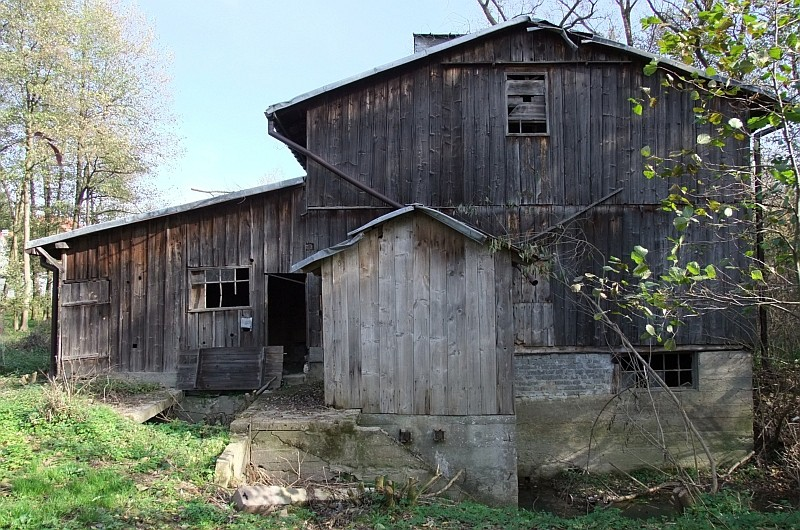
<point>164,212</point>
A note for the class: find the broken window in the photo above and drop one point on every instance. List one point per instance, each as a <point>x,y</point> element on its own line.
<point>676,369</point>
<point>527,104</point>
<point>219,287</point>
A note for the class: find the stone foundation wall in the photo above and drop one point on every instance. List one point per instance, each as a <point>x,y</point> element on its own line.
<point>561,375</point>
<point>567,427</point>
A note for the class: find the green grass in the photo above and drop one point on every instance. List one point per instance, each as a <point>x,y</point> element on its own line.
<point>69,463</point>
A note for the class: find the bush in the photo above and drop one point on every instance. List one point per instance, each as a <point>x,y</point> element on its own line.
<point>25,352</point>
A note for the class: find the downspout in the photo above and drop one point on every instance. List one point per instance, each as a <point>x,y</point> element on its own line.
<point>54,322</point>
<point>336,171</point>
<point>759,220</point>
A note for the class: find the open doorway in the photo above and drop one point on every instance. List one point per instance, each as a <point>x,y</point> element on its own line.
<point>286,318</point>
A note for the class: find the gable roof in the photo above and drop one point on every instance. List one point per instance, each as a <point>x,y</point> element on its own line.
<point>288,112</point>
<point>312,262</point>
<point>164,212</point>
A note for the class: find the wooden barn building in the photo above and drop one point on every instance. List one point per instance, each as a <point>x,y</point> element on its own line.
<point>521,131</point>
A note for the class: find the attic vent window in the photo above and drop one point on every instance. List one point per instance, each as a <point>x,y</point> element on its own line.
<point>527,104</point>
<point>219,288</point>
<point>676,369</point>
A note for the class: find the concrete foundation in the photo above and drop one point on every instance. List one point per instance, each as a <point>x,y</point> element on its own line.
<point>594,429</point>
<point>484,447</point>
<point>319,444</point>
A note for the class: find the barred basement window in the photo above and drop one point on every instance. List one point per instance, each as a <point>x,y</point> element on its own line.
<point>219,288</point>
<point>527,104</point>
<point>676,369</point>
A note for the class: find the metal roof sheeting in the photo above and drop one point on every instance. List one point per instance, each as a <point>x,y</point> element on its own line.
<point>522,20</point>
<point>136,218</point>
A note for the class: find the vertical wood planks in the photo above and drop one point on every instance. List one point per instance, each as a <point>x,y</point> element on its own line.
<point>403,267</point>
<point>368,258</point>
<point>420,302</point>
<point>439,267</point>
<point>456,326</point>
<point>487,340</point>
<point>387,316</point>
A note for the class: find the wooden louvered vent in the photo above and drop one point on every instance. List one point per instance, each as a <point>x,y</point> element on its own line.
<point>527,103</point>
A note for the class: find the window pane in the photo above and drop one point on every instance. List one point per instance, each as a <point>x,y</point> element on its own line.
<point>213,295</point>
<point>212,275</point>
<point>227,275</point>
<point>243,274</point>
<point>235,294</point>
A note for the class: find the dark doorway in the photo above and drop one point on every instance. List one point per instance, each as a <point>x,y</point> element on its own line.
<point>286,318</point>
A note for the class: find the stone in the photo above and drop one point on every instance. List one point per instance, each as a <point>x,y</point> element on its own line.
<point>266,499</point>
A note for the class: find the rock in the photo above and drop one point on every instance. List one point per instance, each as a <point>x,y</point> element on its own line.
<point>266,499</point>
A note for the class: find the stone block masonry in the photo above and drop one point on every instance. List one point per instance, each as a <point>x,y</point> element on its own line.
<point>562,375</point>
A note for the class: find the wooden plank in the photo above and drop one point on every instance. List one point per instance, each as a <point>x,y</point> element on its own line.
<point>403,282</point>
<point>457,345</point>
<point>126,271</point>
<point>435,134</point>
<point>555,148</point>
<point>330,360</point>
<point>438,320</point>
<point>369,331</point>
<point>420,302</point>
<point>472,359</point>
<point>206,256</point>
<point>339,349</point>
<point>156,296</point>
<point>395,128</point>
<point>580,181</point>
<point>364,103</point>
<point>114,299</point>
<point>139,330</point>
<point>258,292</point>
<point>176,283</point>
<point>486,309</point>
<point>420,178</point>
<point>406,138</point>
<point>496,139</point>
<point>232,224</point>
<point>598,145</point>
<point>504,338</point>
<point>352,313</point>
<point>387,311</point>
<point>379,148</point>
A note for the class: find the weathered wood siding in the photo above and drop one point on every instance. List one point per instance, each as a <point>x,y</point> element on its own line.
<point>435,133</point>
<point>417,320</point>
<point>139,316</point>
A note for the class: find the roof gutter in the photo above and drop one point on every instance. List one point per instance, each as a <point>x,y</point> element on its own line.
<point>333,169</point>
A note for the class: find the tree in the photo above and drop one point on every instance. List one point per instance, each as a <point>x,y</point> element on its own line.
<point>33,45</point>
<point>81,114</point>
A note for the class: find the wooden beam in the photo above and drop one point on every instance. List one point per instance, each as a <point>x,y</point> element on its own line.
<point>50,259</point>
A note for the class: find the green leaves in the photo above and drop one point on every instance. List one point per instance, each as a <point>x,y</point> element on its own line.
<point>651,68</point>
<point>703,139</point>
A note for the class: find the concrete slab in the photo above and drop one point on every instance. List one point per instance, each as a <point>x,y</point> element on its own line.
<point>143,407</point>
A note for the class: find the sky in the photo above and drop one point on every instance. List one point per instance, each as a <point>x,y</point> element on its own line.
<point>231,59</point>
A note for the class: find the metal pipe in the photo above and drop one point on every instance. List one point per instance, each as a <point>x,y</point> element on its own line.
<point>53,314</point>
<point>336,171</point>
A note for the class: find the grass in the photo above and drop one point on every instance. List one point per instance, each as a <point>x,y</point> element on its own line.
<point>68,462</point>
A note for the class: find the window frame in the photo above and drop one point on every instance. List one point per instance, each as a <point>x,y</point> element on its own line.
<point>509,76</point>
<point>632,378</point>
<point>193,282</point>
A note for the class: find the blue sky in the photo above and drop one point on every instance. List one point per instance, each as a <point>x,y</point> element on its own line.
<point>231,59</point>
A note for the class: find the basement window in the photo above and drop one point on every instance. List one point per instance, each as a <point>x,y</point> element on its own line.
<point>527,104</point>
<point>676,369</point>
<point>219,288</point>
